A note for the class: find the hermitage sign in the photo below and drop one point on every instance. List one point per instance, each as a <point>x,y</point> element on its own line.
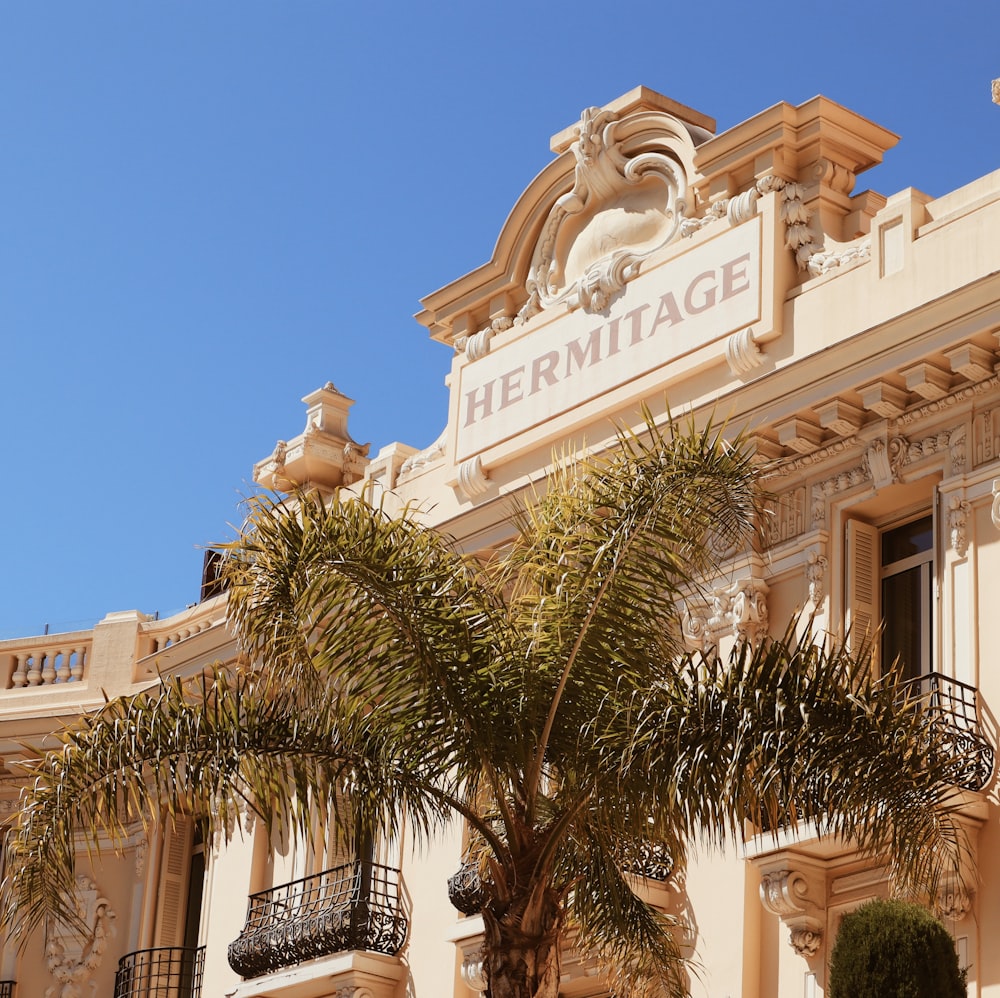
<point>705,294</point>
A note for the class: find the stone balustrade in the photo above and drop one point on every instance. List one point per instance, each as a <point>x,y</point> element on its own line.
<point>161,635</point>
<point>45,661</point>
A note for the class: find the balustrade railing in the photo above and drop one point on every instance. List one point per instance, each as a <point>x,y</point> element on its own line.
<point>168,972</point>
<point>359,906</point>
<point>47,661</point>
<point>7,989</point>
<point>160,636</point>
<point>954,705</point>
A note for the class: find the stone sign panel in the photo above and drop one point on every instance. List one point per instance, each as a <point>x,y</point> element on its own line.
<point>558,363</point>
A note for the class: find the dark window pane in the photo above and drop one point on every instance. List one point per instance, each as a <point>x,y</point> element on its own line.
<point>907,540</point>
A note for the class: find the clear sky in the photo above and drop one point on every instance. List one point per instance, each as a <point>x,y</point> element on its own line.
<point>209,209</point>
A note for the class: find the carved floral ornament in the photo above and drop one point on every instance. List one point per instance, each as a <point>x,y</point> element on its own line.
<point>740,609</point>
<point>72,958</point>
<point>620,210</point>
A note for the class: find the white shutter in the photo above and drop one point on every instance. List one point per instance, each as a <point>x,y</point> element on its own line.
<point>862,584</point>
<point>175,875</point>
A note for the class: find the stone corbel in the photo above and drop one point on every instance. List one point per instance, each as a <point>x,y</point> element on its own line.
<point>742,353</point>
<point>797,900</point>
<point>473,969</point>
<point>952,902</point>
<point>473,480</point>
<point>748,611</point>
<point>478,344</point>
<point>741,607</point>
<point>694,628</point>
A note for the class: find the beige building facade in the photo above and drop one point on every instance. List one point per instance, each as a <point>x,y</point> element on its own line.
<point>652,262</point>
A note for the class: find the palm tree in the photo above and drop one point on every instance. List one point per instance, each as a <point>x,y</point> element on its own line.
<point>543,695</point>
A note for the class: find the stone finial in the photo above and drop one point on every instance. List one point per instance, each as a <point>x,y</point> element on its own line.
<point>323,455</point>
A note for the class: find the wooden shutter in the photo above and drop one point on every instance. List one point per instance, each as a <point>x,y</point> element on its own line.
<point>175,875</point>
<point>862,583</point>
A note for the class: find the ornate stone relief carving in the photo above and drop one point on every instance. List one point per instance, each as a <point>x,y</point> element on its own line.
<point>785,516</point>
<point>740,608</point>
<point>72,958</point>
<point>816,567</point>
<point>883,461</point>
<point>995,508</point>
<point>952,903</point>
<point>805,941</point>
<point>141,853</point>
<point>478,344</point>
<point>958,516</point>
<point>424,457</point>
<point>694,627</point>
<point>986,437</point>
<point>473,479</point>
<point>619,211</point>
<point>823,263</point>
<point>799,237</point>
<point>783,892</point>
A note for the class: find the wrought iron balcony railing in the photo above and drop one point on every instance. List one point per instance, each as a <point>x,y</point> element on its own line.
<point>954,705</point>
<point>360,906</point>
<point>651,861</point>
<point>465,889</point>
<point>7,989</point>
<point>168,972</point>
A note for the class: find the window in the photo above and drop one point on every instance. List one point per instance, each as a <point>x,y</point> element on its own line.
<point>890,583</point>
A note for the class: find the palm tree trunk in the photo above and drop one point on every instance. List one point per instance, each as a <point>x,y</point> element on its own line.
<point>522,965</point>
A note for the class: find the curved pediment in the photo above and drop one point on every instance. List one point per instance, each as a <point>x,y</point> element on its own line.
<point>614,196</point>
<point>624,205</point>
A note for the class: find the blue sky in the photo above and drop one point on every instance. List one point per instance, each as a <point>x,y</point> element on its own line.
<point>209,209</point>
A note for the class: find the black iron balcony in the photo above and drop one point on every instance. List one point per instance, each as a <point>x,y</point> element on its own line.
<point>169,972</point>
<point>7,989</point>
<point>954,705</point>
<point>465,889</point>
<point>649,860</point>
<point>359,906</point>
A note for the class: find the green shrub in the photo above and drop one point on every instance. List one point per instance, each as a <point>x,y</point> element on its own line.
<point>891,949</point>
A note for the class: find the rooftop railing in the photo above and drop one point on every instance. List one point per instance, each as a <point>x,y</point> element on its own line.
<point>44,661</point>
<point>169,972</point>
<point>359,906</point>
